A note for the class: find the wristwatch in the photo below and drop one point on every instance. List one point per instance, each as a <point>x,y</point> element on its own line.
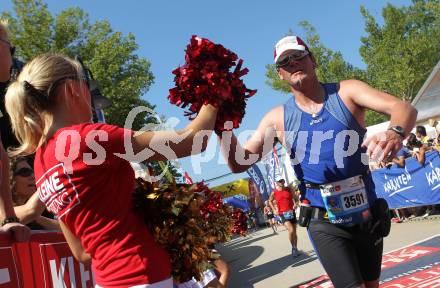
<point>10,220</point>
<point>398,129</point>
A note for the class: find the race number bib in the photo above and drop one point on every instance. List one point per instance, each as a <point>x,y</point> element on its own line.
<point>346,201</point>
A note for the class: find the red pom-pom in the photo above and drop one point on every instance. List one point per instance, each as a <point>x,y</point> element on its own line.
<point>205,78</point>
<point>239,219</point>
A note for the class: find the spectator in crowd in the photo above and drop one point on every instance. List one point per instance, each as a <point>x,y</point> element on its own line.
<point>437,143</point>
<point>7,51</point>
<point>400,157</point>
<point>399,160</point>
<point>22,188</point>
<point>421,134</point>
<point>436,125</point>
<point>418,149</point>
<point>8,220</point>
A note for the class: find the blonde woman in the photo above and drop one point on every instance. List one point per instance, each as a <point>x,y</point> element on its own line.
<point>83,175</point>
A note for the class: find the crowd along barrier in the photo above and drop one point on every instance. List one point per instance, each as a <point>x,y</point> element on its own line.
<point>412,185</point>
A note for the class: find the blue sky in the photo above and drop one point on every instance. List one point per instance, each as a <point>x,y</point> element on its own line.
<point>249,28</point>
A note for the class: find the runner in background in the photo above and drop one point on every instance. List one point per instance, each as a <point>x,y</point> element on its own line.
<point>268,212</point>
<point>286,210</point>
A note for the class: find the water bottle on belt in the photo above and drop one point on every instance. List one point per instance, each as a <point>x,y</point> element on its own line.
<point>305,213</point>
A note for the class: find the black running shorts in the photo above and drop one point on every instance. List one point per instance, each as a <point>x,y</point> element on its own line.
<point>289,216</point>
<point>349,255</point>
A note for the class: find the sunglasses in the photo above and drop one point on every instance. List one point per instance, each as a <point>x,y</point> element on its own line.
<point>59,81</point>
<point>295,56</point>
<point>24,172</point>
<point>11,48</point>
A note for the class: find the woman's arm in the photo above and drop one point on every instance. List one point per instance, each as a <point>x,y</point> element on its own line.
<point>75,245</point>
<point>30,211</point>
<point>48,224</point>
<point>167,145</point>
<point>420,155</point>
<point>400,161</point>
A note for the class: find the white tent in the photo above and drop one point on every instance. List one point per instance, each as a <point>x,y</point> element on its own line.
<point>427,101</point>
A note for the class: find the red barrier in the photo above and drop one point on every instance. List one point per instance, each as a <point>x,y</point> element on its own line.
<point>44,261</point>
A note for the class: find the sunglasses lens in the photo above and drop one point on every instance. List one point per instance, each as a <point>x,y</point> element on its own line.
<point>298,55</point>
<point>283,62</point>
<point>24,172</point>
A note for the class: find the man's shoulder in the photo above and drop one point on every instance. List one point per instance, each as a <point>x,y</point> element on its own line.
<point>274,118</point>
<point>350,85</point>
<point>275,111</point>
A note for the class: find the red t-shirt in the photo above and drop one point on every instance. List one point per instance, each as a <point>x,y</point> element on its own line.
<point>284,200</point>
<point>92,195</point>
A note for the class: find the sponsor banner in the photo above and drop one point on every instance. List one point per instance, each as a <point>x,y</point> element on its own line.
<point>269,164</point>
<point>274,169</point>
<point>237,187</point>
<point>44,261</point>
<point>413,185</point>
<point>278,169</point>
<point>257,177</point>
<point>9,269</point>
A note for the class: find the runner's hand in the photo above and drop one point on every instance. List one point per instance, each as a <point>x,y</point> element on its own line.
<point>383,145</point>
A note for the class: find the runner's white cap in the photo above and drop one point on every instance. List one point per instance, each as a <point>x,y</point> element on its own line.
<point>289,43</point>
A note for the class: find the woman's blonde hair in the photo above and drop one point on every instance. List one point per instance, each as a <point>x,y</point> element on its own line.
<point>30,99</point>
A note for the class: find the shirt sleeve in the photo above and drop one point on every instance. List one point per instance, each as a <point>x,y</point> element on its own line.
<point>112,138</point>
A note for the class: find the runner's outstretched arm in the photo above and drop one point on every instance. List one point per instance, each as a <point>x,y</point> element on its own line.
<point>240,158</point>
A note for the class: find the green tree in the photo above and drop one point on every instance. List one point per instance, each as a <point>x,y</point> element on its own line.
<point>123,76</point>
<point>401,53</point>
